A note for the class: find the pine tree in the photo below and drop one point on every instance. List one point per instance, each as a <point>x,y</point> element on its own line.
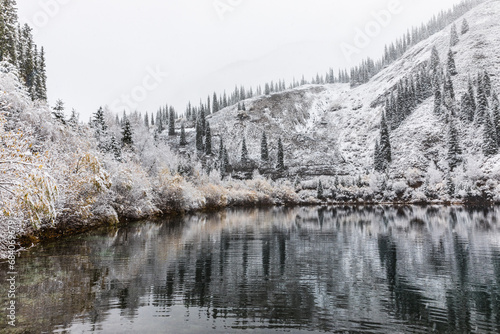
<point>449,92</point>
<point>487,83</point>
<point>438,100</point>
<point>435,61</point>
<point>58,111</point>
<point>73,120</point>
<point>221,150</point>
<point>215,104</point>
<point>225,163</point>
<point>281,160</point>
<point>320,190</point>
<point>183,141</point>
<point>482,102</point>
<point>171,122</point>
<point>146,121</point>
<point>41,77</point>
<point>127,135</point>
<point>378,161</point>
<point>116,149</point>
<point>467,110</point>
<point>496,116</point>
<point>8,32</point>
<point>199,136</point>
<point>450,186</point>
<point>101,130</point>
<point>244,151</point>
<point>454,150</point>
<point>264,151</point>
<point>208,140</point>
<point>385,144</point>
<point>452,69</point>
<point>465,27</point>
<point>472,96</point>
<point>490,145</point>
<point>454,36</point>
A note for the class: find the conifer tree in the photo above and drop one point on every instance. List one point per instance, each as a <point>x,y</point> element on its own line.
<point>320,190</point>
<point>490,145</point>
<point>465,27</point>
<point>487,83</point>
<point>74,118</point>
<point>496,116</point>
<point>281,159</point>
<point>472,95</point>
<point>378,161</point>
<point>215,104</point>
<point>8,32</point>
<point>116,149</point>
<point>385,144</point>
<point>435,61</point>
<point>450,186</point>
<point>452,69</point>
<point>101,130</point>
<point>244,151</point>
<point>438,100</point>
<point>221,150</point>
<point>208,140</point>
<point>41,77</point>
<point>449,92</point>
<point>467,110</point>
<point>264,151</point>
<point>146,121</point>
<point>454,36</point>
<point>58,111</point>
<point>199,136</point>
<point>225,163</point>
<point>454,150</point>
<point>171,122</point>
<point>127,136</point>
<point>183,141</point>
<point>482,102</point>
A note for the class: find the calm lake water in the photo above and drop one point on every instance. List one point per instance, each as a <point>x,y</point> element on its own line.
<point>341,270</point>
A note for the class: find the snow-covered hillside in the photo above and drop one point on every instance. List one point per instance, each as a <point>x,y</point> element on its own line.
<point>332,129</point>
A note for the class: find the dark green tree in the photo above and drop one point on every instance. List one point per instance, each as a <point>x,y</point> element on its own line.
<point>264,151</point>
<point>244,151</point>
<point>171,122</point>
<point>482,102</point>
<point>465,27</point>
<point>183,141</point>
<point>452,68</point>
<point>199,136</point>
<point>490,145</point>
<point>116,149</point>
<point>438,100</point>
<point>127,135</point>
<point>385,143</point>
<point>58,111</point>
<point>320,190</point>
<point>454,150</point>
<point>454,36</point>
<point>208,140</point>
<point>281,159</point>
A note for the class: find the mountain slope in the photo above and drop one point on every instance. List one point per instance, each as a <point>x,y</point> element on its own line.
<point>332,129</point>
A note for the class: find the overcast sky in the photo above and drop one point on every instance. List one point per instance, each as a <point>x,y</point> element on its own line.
<point>131,54</point>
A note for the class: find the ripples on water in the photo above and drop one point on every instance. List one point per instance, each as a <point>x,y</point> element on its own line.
<point>375,270</point>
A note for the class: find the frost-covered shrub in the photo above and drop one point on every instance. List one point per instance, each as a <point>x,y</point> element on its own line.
<point>215,196</point>
<point>399,188</point>
<point>414,177</point>
<point>132,191</point>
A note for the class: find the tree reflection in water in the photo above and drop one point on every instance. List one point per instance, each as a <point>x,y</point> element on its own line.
<point>375,269</point>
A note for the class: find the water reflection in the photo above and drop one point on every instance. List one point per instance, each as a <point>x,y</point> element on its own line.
<point>378,270</point>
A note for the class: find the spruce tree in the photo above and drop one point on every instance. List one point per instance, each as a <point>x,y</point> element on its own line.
<point>221,150</point>
<point>438,100</point>
<point>385,144</point>
<point>435,61</point>
<point>487,83</point>
<point>225,162</point>
<point>264,151</point>
<point>127,136</point>
<point>449,92</point>
<point>244,151</point>
<point>208,140</point>
<point>378,162</point>
<point>482,102</point>
<point>58,111</point>
<point>8,32</point>
<point>454,150</point>
<point>472,95</point>
<point>465,27</point>
<point>116,149</point>
<point>466,108</point>
<point>452,69</point>
<point>454,36</point>
<point>320,190</point>
<point>73,120</point>
<point>171,122</point>
<point>490,145</point>
<point>183,141</point>
<point>215,104</point>
<point>199,136</point>
<point>496,116</point>
<point>281,159</point>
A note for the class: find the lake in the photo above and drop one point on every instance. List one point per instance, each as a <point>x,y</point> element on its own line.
<point>293,270</point>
